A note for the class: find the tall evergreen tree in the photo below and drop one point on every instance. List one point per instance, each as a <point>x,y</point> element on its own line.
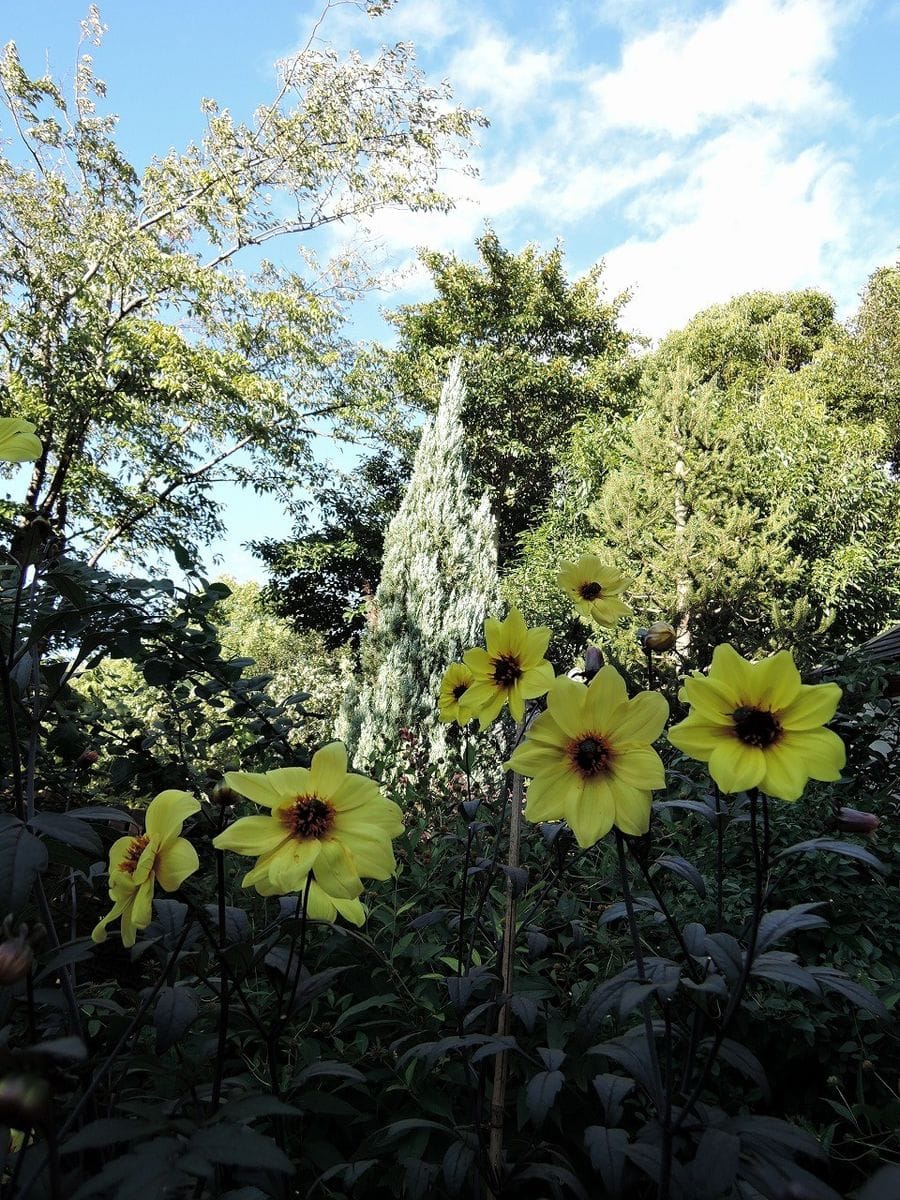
<point>438,583</point>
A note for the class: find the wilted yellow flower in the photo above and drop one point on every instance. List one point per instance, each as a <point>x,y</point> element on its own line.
<point>757,725</point>
<point>160,855</point>
<point>18,442</point>
<point>595,589</point>
<point>321,820</point>
<point>452,705</point>
<point>591,758</point>
<point>512,669</point>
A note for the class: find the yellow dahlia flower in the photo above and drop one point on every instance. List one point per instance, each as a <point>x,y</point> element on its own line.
<point>512,668</point>
<point>452,704</point>
<point>160,855</point>
<point>591,759</point>
<point>320,820</point>
<point>17,441</point>
<point>757,725</point>
<point>595,589</point>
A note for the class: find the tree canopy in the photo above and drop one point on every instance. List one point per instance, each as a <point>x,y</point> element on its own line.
<point>150,363</point>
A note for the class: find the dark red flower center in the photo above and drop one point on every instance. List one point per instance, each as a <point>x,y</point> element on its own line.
<point>756,727</point>
<point>507,670</point>
<point>590,591</point>
<point>308,817</point>
<point>459,691</point>
<point>591,755</point>
<point>133,856</point>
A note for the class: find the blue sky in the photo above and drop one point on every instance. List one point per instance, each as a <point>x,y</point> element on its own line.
<point>700,149</point>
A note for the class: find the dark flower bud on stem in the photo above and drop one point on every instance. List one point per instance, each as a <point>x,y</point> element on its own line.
<point>852,820</point>
<point>593,661</point>
<point>659,637</point>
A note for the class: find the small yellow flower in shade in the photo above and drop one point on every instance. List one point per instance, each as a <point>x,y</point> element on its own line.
<point>160,855</point>
<point>595,589</point>
<point>18,442</point>
<point>512,669</point>
<point>452,704</point>
<point>321,820</point>
<point>757,725</point>
<point>591,759</point>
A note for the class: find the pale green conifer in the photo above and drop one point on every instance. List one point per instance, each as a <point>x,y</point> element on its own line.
<point>438,583</point>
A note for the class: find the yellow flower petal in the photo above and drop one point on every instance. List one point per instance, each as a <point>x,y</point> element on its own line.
<point>175,863</point>
<point>736,767</point>
<point>776,681</point>
<point>591,812</point>
<point>696,737</point>
<point>257,788</point>
<point>336,871</point>
<point>550,794</point>
<point>99,933</point>
<point>289,783</point>
<point>328,770</point>
<point>167,813</point>
<point>606,694</point>
<point>639,767</point>
<point>815,705</point>
<point>786,774</point>
<point>252,836</point>
<point>371,852</point>
<point>822,750</point>
<point>733,671</point>
<point>566,703</point>
<point>537,680</point>
<point>633,808</point>
<point>643,719</point>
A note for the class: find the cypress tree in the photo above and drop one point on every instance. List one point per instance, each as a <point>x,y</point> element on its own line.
<point>438,583</point>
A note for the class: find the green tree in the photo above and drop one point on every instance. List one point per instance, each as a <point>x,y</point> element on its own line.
<point>128,335</point>
<point>438,583</point>
<point>748,507</point>
<point>324,576</point>
<point>538,352</point>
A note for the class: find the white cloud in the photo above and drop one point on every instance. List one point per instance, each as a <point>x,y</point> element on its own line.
<point>580,188</point>
<point>752,56</point>
<point>748,215</point>
<point>507,76</point>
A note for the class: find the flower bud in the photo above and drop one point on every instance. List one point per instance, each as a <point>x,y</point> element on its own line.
<point>852,820</point>
<point>593,661</point>
<point>224,795</point>
<point>24,1101</point>
<point>660,636</point>
<point>87,758</point>
<point>16,957</point>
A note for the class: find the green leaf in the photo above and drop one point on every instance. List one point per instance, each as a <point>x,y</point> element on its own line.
<point>175,1012</point>
<point>22,858</point>
<point>832,846</point>
<point>606,1149</point>
<point>236,1146</point>
<point>107,1131</point>
<point>782,921</point>
<point>66,829</point>
<point>715,1165</point>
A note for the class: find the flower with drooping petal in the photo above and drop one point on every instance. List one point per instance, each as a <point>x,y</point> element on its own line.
<point>591,759</point>
<point>136,864</point>
<point>511,670</point>
<point>758,726</point>
<point>18,442</point>
<point>321,820</point>
<point>595,589</point>
<point>452,705</point>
